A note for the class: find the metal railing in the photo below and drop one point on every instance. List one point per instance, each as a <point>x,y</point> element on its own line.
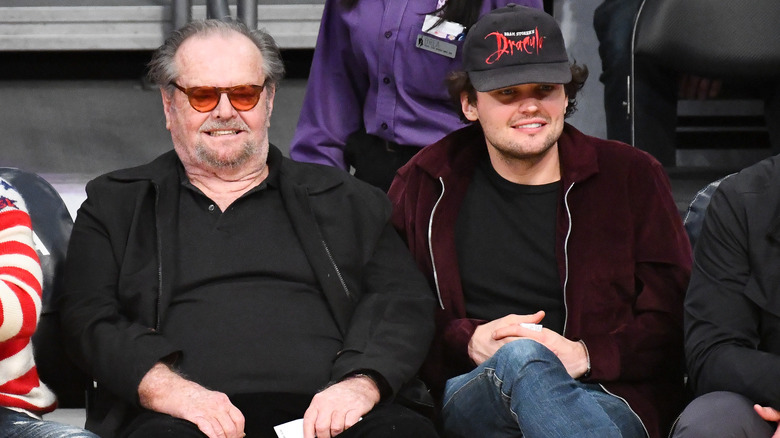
<point>246,10</point>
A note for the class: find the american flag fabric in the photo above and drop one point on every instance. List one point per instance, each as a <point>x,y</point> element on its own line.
<point>20,308</point>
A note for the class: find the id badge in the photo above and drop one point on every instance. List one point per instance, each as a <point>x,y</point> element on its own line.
<point>435,45</point>
<point>434,37</point>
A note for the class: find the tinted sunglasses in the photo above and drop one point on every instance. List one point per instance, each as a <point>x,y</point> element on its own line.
<point>203,99</point>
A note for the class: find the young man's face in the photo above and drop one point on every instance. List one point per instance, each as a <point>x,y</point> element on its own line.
<point>522,122</point>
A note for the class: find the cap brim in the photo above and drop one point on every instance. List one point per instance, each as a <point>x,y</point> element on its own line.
<point>549,73</point>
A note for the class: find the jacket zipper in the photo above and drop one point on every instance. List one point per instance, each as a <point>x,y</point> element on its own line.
<point>647,434</point>
<point>566,258</point>
<point>159,255</point>
<point>338,271</point>
<point>430,246</point>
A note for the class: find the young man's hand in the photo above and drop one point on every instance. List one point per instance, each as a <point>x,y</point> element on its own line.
<point>572,354</point>
<point>484,344</point>
<point>489,337</point>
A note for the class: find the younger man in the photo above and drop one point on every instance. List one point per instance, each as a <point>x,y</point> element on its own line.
<point>520,220</point>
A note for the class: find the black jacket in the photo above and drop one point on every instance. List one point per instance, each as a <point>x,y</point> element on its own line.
<point>732,308</point>
<point>123,249</point>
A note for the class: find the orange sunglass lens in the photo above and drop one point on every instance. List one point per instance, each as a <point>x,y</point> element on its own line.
<point>244,98</point>
<point>203,98</point>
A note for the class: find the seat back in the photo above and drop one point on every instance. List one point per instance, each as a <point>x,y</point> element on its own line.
<point>51,224</point>
<point>735,41</point>
<point>711,38</point>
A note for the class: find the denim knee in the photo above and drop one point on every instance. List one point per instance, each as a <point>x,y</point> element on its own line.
<point>512,362</point>
<point>518,355</point>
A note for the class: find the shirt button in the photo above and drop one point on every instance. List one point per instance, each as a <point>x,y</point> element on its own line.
<point>386,80</point>
<point>212,207</point>
<point>384,125</point>
<point>388,34</point>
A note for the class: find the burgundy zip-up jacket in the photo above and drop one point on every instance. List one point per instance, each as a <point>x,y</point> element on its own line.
<point>623,257</point>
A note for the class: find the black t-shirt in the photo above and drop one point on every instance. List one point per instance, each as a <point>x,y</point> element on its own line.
<point>505,239</point>
<point>247,310</point>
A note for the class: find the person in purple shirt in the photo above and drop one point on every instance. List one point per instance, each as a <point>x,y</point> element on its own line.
<point>376,91</point>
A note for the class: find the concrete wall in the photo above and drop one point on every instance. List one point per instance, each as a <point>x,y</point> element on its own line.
<point>134,25</point>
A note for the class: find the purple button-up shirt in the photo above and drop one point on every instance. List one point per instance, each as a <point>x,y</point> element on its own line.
<point>368,73</point>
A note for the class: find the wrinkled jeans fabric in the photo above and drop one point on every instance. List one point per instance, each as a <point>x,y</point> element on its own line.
<point>524,390</point>
<point>15,424</point>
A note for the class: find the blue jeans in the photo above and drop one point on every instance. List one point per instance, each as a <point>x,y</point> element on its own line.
<point>524,390</point>
<point>18,425</point>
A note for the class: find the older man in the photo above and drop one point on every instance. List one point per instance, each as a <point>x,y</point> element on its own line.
<point>560,259</point>
<point>223,289</point>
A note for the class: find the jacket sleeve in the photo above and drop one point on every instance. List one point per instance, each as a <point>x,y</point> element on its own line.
<point>392,325</point>
<point>650,343</point>
<point>115,351</point>
<point>723,315</point>
<point>335,92</point>
<point>20,271</point>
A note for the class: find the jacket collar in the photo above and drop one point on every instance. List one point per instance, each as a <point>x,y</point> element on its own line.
<point>159,170</point>
<point>163,178</point>
<point>301,175</point>
<point>458,153</point>
<point>577,152</point>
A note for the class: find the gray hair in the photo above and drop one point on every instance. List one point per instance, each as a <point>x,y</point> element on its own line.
<point>163,70</point>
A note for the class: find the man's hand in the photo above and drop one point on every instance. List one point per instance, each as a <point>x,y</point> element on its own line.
<point>483,344</point>
<point>163,390</point>
<point>696,87</point>
<point>572,354</point>
<point>338,407</point>
<point>769,414</point>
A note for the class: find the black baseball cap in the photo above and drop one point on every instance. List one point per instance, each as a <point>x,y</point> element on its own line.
<point>515,45</point>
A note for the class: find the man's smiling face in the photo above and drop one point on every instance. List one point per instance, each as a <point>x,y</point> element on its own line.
<point>521,122</point>
<point>223,137</point>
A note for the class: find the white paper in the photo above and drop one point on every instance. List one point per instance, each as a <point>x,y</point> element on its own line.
<point>292,429</point>
<point>447,29</point>
<point>534,327</point>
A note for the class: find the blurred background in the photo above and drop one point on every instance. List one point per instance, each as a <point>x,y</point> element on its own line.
<point>76,105</point>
